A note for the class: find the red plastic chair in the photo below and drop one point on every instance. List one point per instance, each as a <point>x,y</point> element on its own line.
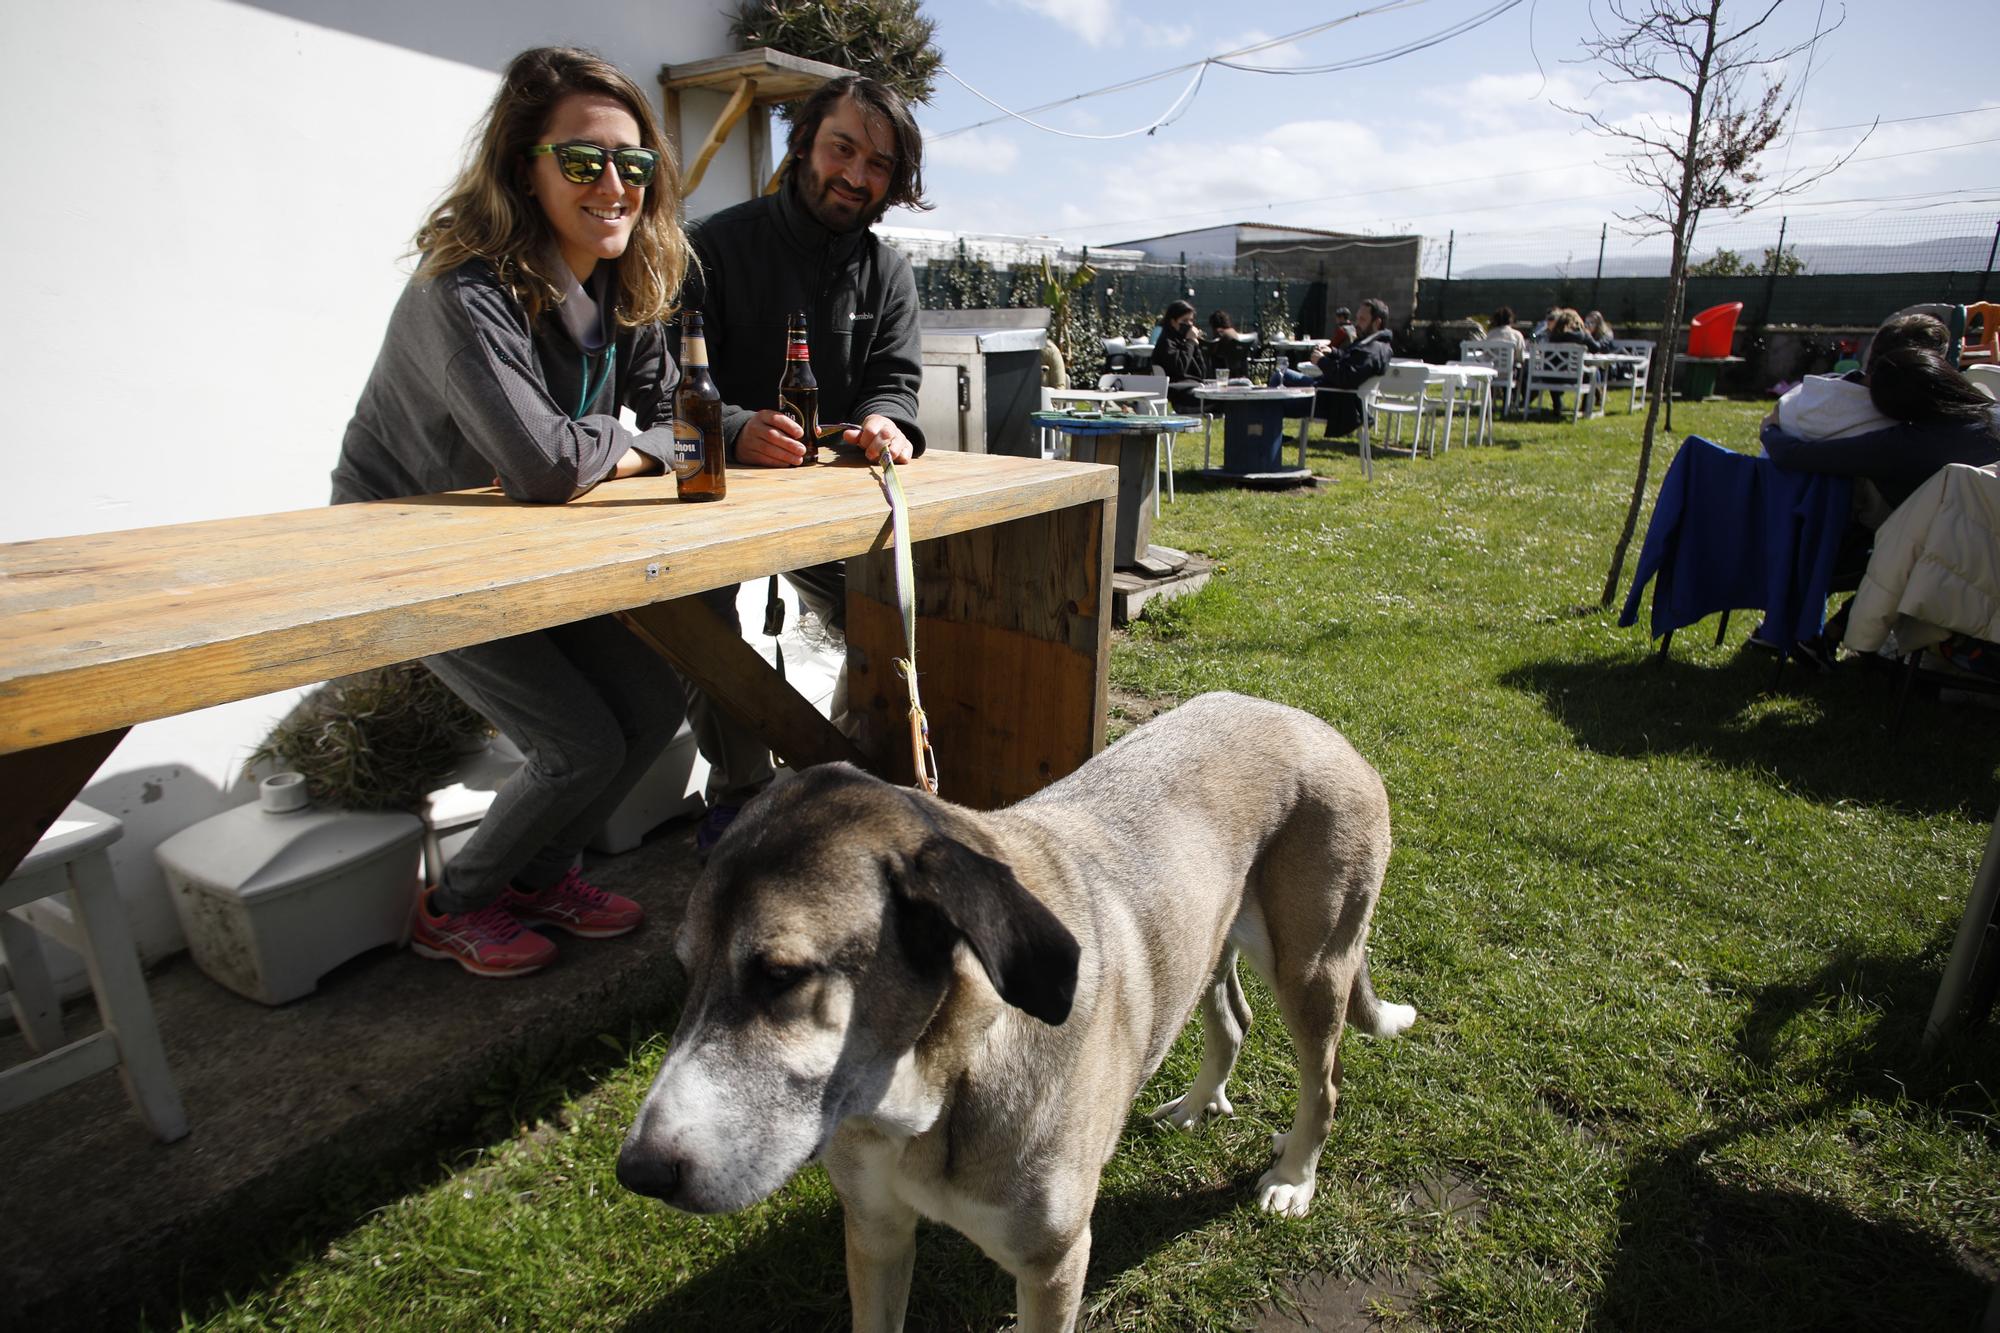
<point>1714,330</point>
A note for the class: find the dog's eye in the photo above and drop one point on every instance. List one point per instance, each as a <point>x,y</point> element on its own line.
<point>775,979</point>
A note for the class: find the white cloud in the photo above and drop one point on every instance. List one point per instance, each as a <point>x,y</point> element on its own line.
<point>1170,37</point>
<point>976,150</point>
<point>1096,21</point>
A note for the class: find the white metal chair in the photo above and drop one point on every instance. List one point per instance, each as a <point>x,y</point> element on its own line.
<point>70,863</point>
<point>1399,394</point>
<point>1499,353</point>
<point>1985,377</point>
<point>1156,385</point>
<point>1559,368</point>
<point>1641,373</point>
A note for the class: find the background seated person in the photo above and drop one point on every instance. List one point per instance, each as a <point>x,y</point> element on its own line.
<point>1343,329</point>
<point>1179,353</point>
<point>1597,333</point>
<point>1939,416</point>
<point>1228,350</point>
<point>1821,407</point>
<point>1564,326</point>
<point>1349,367</point>
<point>1502,326</point>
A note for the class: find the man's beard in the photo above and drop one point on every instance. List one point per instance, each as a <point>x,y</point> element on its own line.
<point>834,211</point>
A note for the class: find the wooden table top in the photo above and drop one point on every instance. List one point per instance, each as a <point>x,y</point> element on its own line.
<point>110,629</point>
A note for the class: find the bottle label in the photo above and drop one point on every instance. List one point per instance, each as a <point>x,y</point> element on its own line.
<point>798,351</point>
<point>686,462</point>
<point>694,350</point>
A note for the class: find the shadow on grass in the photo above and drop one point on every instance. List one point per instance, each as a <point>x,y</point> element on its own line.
<point>794,1276</point>
<point>1827,738</point>
<point>249,1253</point>
<point>1888,1059</point>
<point>1700,1249</point>
<point>1697,1249</point>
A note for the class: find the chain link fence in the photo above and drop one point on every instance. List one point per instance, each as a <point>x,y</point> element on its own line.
<point>1828,272</point>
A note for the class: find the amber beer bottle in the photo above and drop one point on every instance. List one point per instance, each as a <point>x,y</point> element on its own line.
<point>798,391</point>
<point>699,456</point>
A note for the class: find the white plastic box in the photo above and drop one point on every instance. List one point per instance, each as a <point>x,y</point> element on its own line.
<point>275,894</point>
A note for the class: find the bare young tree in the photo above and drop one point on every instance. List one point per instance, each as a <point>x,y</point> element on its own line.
<point>1735,108</point>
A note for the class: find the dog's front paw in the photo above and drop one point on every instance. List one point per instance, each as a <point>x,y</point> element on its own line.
<point>1284,1197</point>
<point>1189,1110</point>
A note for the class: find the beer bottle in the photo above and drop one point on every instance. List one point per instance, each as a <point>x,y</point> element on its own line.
<point>798,391</point>
<point>699,456</point>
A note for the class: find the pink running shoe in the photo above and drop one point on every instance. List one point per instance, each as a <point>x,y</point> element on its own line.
<point>487,943</point>
<point>577,906</point>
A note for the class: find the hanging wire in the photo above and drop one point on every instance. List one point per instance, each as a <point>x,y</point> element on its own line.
<point>1196,65</point>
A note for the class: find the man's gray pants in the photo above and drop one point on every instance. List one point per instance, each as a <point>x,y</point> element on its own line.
<point>591,708</point>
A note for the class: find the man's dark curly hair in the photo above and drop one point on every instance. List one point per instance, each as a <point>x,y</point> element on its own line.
<point>906,179</point>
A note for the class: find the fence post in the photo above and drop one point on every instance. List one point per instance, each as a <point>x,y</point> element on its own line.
<point>1444,288</point>
<point>1603,230</point>
<point>1981,293</point>
<point>1186,291</point>
<point>1256,303</point>
<point>1771,275</point>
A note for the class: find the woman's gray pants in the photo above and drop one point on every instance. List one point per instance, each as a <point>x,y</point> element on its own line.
<point>591,708</point>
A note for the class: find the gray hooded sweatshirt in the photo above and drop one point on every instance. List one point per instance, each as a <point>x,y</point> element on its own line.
<point>465,390</point>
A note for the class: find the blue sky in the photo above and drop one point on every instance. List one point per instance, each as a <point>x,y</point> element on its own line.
<point>1466,136</point>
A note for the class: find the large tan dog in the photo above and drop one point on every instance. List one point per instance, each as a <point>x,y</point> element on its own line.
<point>954,1010</point>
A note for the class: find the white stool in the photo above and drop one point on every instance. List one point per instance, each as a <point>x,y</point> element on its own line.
<point>70,859</point>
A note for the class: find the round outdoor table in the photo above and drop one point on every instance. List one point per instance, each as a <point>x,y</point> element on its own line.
<point>1473,383</point>
<point>1130,441</point>
<point>1253,433</point>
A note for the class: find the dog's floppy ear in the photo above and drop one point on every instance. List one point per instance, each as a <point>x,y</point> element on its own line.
<point>1029,955</point>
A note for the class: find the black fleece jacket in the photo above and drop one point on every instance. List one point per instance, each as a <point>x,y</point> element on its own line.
<point>765,258</point>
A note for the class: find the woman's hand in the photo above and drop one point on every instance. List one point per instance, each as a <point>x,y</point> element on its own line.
<point>635,464</point>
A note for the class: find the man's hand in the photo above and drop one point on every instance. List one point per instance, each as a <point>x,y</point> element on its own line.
<point>878,433</point>
<point>771,439</point>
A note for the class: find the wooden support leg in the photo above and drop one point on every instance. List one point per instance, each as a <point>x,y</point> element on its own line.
<point>40,784</point>
<point>1013,637</point>
<point>713,656</point>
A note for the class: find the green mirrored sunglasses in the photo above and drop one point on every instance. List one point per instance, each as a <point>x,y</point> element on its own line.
<point>583,163</point>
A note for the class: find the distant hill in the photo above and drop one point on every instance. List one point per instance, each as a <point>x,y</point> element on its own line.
<point>1942,254</point>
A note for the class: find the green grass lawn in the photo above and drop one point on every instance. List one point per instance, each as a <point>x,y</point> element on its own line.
<point>1672,935</point>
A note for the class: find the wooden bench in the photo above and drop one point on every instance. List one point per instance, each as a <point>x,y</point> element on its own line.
<point>1013,563</point>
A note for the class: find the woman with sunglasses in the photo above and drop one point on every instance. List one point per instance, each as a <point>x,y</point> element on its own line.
<point>533,317</point>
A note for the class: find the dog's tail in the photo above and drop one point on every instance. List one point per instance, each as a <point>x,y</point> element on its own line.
<point>1373,1015</point>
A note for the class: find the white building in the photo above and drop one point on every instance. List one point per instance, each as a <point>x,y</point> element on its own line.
<point>209,209</point>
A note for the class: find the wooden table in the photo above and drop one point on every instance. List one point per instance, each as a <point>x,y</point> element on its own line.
<point>1013,563</point>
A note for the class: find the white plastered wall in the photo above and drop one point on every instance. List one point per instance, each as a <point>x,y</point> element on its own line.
<point>206,215</point>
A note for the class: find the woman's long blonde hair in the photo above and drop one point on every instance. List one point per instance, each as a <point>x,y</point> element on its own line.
<point>488,214</point>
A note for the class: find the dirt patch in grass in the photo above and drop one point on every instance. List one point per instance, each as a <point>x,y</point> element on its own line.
<point>1345,1304</point>
<point>1326,1301</point>
<point>1126,709</point>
